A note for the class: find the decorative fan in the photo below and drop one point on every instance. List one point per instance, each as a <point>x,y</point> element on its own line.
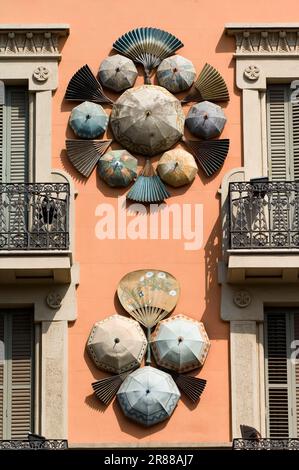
<point>209,86</point>
<point>148,186</point>
<point>191,386</point>
<point>210,154</point>
<point>147,46</point>
<point>105,389</point>
<point>83,86</point>
<point>85,154</point>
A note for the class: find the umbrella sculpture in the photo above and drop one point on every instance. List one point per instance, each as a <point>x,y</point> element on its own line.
<point>147,120</point>
<point>88,120</point>
<point>118,168</point>
<point>177,167</point>
<point>118,73</point>
<point>176,73</point>
<point>148,396</point>
<point>180,344</point>
<point>117,344</point>
<point>206,120</point>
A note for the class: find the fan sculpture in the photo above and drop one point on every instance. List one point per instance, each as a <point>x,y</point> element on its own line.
<point>148,119</point>
<point>148,394</point>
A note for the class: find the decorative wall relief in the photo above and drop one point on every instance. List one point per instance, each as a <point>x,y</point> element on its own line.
<point>148,120</point>
<point>118,344</point>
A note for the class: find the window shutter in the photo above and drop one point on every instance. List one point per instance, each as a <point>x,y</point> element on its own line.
<point>16,328</point>
<point>296,337</point>
<point>21,375</point>
<point>277,375</point>
<point>295,139</point>
<point>2,162</point>
<point>278,140</point>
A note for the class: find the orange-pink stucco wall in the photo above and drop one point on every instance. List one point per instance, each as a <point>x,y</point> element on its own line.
<point>94,25</point>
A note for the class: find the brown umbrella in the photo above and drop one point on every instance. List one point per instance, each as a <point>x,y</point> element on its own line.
<point>117,344</point>
<point>147,120</point>
<point>177,167</point>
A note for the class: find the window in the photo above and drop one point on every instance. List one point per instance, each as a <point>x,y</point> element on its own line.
<point>283,133</point>
<point>282,373</point>
<point>16,373</point>
<point>14,136</point>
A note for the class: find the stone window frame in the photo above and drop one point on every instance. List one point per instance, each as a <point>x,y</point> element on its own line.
<point>30,54</point>
<point>267,52</point>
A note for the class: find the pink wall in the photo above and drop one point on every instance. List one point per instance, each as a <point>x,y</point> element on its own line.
<point>94,25</point>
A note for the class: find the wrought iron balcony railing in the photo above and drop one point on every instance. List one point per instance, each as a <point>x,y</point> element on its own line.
<point>34,216</point>
<point>266,444</point>
<point>48,444</point>
<point>264,215</point>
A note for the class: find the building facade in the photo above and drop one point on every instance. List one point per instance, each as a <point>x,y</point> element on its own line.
<point>231,240</point>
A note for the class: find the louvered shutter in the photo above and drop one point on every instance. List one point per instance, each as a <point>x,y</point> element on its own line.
<point>278,139</point>
<point>1,374</point>
<point>277,375</point>
<point>296,365</point>
<point>16,398</point>
<point>2,161</point>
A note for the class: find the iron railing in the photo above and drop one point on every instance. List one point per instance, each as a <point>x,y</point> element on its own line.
<point>49,444</point>
<point>266,444</point>
<point>34,216</point>
<point>264,215</point>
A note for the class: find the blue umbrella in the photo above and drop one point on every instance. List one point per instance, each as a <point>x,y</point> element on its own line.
<point>148,396</point>
<point>88,120</point>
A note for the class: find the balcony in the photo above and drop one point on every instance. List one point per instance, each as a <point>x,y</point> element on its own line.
<point>263,231</point>
<point>34,232</point>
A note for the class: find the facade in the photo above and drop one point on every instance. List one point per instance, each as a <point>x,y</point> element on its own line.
<point>231,240</point>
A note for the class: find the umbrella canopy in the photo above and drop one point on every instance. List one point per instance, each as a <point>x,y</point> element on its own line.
<point>206,120</point>
<point>118,168</point>
<point>117,344</point>
<point>148,396</point>
<point>88,120</point>
<point>118,73</point>
<point>147,120</point>
<point>177,167</point>
<point>180,343</point>
<point>176,73</point>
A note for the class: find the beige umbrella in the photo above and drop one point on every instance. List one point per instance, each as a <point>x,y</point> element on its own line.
<point>117,72</point>
<point>177,167</point>
<point>117,344</point>
<point>147,120</point>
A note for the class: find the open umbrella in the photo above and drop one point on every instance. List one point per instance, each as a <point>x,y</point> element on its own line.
<point>206,120</point>
<point>117,344</point>
<point>117,72</point>
<point>148,396</point>
<point>180,343</point>
<point>147,120</point>
<point>176,73</point>
<point>117,168</point>
<point>88,120</point>
<point>177,167</point>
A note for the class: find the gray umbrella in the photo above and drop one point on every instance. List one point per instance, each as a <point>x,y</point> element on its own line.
<point>148,396</point>
<point>147,120</point>
<point>176,73</point>
<point>206,120</point>
<point>118,72</point>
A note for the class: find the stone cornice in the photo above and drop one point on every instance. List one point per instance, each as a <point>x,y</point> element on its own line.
<point>19,41</point>
<point>265,39</point>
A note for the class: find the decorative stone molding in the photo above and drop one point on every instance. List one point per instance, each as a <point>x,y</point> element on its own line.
<point>252,72</point>
<point>54,300</point>
<point>18,41</point>
<point>41,73</point>
<point>242,299</point>
<point>265,39</point>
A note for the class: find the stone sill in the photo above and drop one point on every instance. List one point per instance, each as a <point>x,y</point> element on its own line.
<point>152,445</point>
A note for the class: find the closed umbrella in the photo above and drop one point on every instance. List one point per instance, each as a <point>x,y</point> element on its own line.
<point>206,120</point>
<point>177,167</point>
<point>180,343</point>
<point>117,72</point>
<point>117,344</point>
<point>88,120</point>
<point>117,168</point>
<point>148,396</point>
<point>176,73</point>
<point>147,120</point>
